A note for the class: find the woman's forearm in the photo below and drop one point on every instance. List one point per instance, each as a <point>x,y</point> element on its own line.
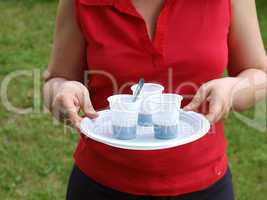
<point>250,89</point>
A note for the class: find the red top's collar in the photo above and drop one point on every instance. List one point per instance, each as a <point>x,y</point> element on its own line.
<point>97,2</point>
<point>123,3</point>
<point>124,6</point>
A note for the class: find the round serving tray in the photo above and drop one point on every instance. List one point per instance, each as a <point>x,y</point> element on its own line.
<point>192,127</point>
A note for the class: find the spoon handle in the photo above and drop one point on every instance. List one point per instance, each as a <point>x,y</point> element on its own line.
<point>138,89</point>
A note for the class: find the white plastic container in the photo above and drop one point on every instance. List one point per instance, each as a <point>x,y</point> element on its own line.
<point>146,109</point>
<point>124,116</point>
<point>166,115</point>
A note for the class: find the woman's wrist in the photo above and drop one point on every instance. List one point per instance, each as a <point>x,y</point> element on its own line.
<point>250,88</point>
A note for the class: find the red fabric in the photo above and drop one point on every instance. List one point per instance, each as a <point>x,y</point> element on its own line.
<point>189,49</point>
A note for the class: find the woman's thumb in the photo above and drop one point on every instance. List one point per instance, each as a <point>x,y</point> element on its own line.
<point>88,108</point>
<point>198,99</point>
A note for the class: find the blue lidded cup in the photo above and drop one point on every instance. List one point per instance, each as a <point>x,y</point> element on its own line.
<point>145,112</point>
<point>166,115</point>
<point>124,116</point>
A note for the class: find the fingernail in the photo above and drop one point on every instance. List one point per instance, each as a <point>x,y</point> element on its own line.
<point>92,114</point>
<point>187,108</point>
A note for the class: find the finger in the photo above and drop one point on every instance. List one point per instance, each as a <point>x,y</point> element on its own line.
<point>226,114</point>
<point>199,98</point>
<point>215,109</point>
<point>224,117</point>
<point>57,109</point>
<point>87,106</point>
<point>68,112</point>
<point>90,111</point>
<point>74,119</point>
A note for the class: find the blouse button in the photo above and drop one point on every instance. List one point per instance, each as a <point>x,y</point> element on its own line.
<point>218,171</point>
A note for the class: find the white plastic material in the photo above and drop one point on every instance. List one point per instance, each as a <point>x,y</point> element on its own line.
<point>124,110</point>
<point>124,102</point>
<point>192,126</point>
<point>148,90</point>
<point>166,109</point>
<point>166,118</point>
<point>124,119</point>
<point>166,102</point>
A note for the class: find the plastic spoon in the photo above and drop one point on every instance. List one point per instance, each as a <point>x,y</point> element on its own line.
<point>138,89</point>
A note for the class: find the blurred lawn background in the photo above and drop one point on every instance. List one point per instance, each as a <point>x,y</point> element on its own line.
<point>35,155</point>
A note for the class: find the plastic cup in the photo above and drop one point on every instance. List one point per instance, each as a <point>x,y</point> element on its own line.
<point>166,115</point>
<point>124,116</point>
<point>148,90</point>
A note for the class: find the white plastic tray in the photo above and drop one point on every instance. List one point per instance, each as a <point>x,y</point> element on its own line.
<point>192,127</point>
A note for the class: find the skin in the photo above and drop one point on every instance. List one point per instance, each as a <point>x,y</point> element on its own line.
<point>65,95</point>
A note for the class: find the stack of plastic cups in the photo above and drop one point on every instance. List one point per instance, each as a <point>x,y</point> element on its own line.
<point>166,115</point>
<point>149,90</point>
<point>124,116</point>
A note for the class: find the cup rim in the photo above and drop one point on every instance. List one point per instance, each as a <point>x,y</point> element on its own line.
<point>152,84</point>
<point>110,98</point>
<point>179,97</point>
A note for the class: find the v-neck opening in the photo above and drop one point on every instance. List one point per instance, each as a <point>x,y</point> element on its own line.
<point>153,37</point>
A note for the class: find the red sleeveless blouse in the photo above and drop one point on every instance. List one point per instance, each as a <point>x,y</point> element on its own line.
<point>190,47</point>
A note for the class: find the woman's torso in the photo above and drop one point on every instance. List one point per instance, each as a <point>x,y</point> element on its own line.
<point>189,48</point>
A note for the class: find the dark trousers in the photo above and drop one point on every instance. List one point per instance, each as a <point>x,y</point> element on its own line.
<point>81,187</point>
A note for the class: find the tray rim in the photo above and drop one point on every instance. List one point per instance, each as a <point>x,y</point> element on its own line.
<point>165,144</point>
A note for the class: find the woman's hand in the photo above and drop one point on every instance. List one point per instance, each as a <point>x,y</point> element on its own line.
<point>219,93</point>
<point>71,97</point>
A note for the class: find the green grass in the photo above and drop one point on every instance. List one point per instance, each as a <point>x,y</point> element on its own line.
<point>36,157</point>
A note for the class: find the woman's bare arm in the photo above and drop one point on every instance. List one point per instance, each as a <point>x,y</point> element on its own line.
<point>245,45</point>
<point>64,94</point>
<point>247,68</point>
<point>68,54</point>
<point>247,55</point>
